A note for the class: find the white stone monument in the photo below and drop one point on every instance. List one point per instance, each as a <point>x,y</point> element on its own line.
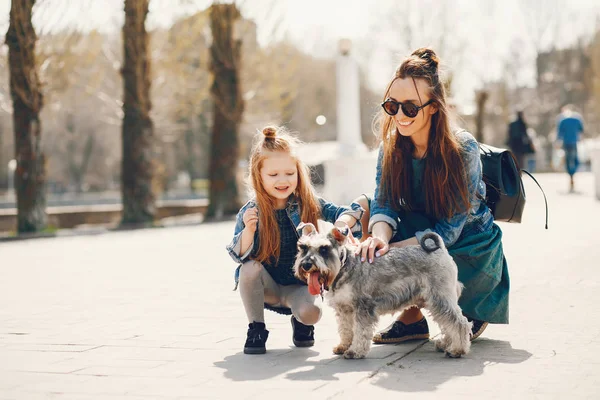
<point>350,171</point>
<point>348,102</point>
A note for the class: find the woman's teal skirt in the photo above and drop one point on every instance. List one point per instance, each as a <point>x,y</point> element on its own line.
<point>481,265</point>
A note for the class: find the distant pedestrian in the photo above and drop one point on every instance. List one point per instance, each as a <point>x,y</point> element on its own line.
<point>518,139</point>
<point>569,128</point>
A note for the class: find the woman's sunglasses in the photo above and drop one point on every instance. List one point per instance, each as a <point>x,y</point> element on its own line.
<point>391,107</point>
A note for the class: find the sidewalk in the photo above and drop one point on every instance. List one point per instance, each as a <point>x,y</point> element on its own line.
<point>151,314</point>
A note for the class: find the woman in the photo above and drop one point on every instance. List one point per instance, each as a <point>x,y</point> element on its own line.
<point>429,179</point>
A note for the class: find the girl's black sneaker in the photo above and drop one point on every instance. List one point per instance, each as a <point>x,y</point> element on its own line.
<point>304,335</point>
<point>256,338</point>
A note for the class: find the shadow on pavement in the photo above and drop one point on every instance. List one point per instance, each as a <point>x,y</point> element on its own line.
<point>420,371</point>
<point>298,365</point>
<point>244,367</point>
<point>571,193</point>
<point>425,370</point>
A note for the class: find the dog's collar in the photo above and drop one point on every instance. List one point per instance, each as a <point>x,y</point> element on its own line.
<point>343,258</point>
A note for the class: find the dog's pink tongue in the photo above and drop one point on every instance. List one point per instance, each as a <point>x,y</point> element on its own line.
<point>314,287</point>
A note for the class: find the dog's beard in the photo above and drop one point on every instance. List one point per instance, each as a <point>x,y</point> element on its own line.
<point>318,278</point>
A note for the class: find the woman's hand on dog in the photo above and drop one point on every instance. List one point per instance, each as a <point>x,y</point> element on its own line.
<point>250,219</point>
<point>372,247</point>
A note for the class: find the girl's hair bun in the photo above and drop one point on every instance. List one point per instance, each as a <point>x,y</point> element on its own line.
<point>269,132</point>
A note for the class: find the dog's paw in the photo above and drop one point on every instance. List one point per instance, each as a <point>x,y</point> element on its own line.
<point>440,345</point>
<point>340,349</point>
<point>455,353</point>
<point>351,354</point>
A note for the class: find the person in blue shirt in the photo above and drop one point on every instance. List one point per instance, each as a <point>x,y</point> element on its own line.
<point>429,178</point>
<point>569,128</point>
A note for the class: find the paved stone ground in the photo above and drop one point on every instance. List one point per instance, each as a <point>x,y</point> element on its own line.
<point>151,314</point>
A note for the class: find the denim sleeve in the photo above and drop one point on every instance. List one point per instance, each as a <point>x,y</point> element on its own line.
<point>382,212</point>
<point>233,248</point>
<point>331,212</point>
<point>450,228</point>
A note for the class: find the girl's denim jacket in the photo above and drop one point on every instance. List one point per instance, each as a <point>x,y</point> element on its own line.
<point>477,219</point>
<point>329,212</point>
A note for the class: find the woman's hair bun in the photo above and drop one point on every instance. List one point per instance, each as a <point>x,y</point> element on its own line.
<point>428,55</point>
<point>269,132</point>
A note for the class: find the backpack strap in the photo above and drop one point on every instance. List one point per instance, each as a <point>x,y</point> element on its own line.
<point>545,201</point>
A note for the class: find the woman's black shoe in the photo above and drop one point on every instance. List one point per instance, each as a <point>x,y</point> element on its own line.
<point>304,335</point>
<point>256,339</point>
<point>399,332</point>
<point>478,328</point>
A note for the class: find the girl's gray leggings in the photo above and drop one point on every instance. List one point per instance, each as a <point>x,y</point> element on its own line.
<point>257,287</point>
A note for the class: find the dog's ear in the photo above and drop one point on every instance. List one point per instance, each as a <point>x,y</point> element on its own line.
<point>306,229</point>
<point>340,235</point>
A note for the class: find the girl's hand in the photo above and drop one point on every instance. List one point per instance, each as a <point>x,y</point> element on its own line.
<point>372,247</point>
<point>353,241</point>
<point>343,226</point>
<point>251,219</point>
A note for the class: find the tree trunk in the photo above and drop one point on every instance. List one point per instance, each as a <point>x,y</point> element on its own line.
<point>78,170</point>
<point>481,98</point>
<point>136,166</point>
<point>30,175</point>
<point>228,104</point>
<point>189,152</point>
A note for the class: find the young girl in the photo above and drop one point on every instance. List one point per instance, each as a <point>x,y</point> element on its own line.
<point>265,238</point>
<point>429,178</point>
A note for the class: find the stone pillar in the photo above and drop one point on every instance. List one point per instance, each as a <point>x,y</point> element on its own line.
<point>348,101</point>
<point>351,171</point>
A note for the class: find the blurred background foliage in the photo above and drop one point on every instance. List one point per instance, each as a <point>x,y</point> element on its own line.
<point>285,80</point>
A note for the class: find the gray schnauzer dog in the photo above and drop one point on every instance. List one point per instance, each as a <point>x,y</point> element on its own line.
<point>360,292</point>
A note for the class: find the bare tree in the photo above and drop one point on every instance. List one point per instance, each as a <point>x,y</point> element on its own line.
<point>136,167</point>
<point>225,53</point>
<point>543,24</point>
<point>594,78</point>
<point>182,94</point>
<point>543,21</point>
<point>434,24</point>
<point>78,161</point>
<point>30,175</point>
<point>481,97</point>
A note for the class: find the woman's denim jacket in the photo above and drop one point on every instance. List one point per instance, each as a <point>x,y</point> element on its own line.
<point>477,219</point>
<point>329,212</point>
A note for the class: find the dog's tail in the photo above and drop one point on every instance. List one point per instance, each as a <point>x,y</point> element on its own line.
<point>431,241</point>
<point>459,289</point>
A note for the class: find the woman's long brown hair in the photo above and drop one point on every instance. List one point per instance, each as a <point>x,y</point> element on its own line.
<point>277,139</point>
<point>445,183</point>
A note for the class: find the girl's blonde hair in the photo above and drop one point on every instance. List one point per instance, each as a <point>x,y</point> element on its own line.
<point>278,139</point>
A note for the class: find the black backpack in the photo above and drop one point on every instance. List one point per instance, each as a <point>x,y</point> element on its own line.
<point>505,193</point>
